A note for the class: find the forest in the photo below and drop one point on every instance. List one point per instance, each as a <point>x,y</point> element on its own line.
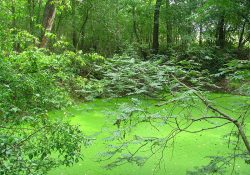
<point>124,87</point>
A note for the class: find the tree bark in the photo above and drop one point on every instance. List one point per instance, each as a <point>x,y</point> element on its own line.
<point>38,15</point>
<point>155,45</point>
<point>169,25</point>
<point>13,11</point>
<point>82,29</point>
<point>135,26</point>
<point>143,53</point>
<point>74,28</point>
<point>31,8</point>
<point>200,34</point>
<point>48,21</point>
<point>241,38</point>
<point>221,32</point>
<point>16,45</point>
<point>58,25</point>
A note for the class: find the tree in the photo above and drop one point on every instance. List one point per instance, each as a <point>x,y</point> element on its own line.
<point>84,19</point>
<point>155,45</point>
<point>221,32</point>
<point>31,9</point>
<point>169,24</point>
<point>74,27</point>
<point>48,21</point>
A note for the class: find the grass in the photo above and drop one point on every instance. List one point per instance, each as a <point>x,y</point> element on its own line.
<point>190,150</point>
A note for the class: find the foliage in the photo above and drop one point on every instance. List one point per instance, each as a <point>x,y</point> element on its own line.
<point>124,75</point>
<point>127,74</point>
<point>31,143</point>
<point>238,75</point>
<point>185,23</point>
<point>218,165</point>
<point>209,58</point>
<point>38,146</point>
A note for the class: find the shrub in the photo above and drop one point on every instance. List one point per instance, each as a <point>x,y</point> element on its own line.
<point>30,142</point>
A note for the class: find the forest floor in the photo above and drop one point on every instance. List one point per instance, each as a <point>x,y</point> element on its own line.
<point>96,119</point>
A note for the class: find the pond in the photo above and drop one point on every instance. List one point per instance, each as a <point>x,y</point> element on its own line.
<point>96,119</point>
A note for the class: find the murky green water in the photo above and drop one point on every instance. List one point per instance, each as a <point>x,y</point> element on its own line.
<point>190,150</point>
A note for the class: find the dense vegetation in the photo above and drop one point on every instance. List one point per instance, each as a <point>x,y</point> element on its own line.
<point>56,53</point>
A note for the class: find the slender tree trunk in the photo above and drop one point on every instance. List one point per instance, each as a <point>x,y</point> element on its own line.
<point>31,8</point>
<point>13,11</point>
<point>74,28</point>
<point>38,15</point>
<point>134,25</point>
<point>57,25</point>
<point>155,46</point>
<point>200,34</point>
<point>169,25</point>
<point>221,32</point>
<point>16,45</point>
<point>82,29</point>
<point>241,43</point>
<point>48,21</point>
<point>143,53</point>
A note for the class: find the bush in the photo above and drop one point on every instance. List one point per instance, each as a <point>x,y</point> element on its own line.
<point>124,75</point>
<point>237,74</point>
<point>211,59</point>
<point>31,84</point>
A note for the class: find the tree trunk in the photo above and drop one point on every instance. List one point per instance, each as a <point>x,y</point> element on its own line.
<point>31,8</point>
<point>57,26</point>
<point>143,53</point>
<point>241,43</point>
<point>155,46</point>
<point>134,26</point>
<point>38,15</point>
<point>200,34</point>
<point>82,29</point>
<point>13,11</point>
<point>221,33</point>
<point>74,33</point>
<point>169,25</point>
<point>16,45</point>
<point>48,21</point>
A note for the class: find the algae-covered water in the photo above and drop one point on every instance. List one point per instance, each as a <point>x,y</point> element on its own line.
<point>189,151</point>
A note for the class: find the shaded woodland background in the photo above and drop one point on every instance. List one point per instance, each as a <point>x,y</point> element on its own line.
<point>111,26</point>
